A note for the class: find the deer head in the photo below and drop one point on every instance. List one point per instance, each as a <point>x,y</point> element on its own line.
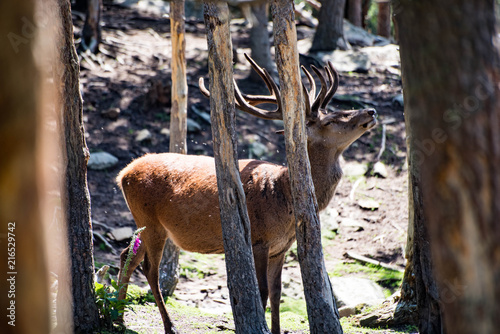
<point>331,130</point>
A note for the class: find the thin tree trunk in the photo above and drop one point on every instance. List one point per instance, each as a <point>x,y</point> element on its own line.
<point>91,32</point>
<point>247,307</point>
<point>23,278</point>
<point>321,306</point>
<point>75,196</point>
<point>330,31</point>
<point>259,39</point>
<point>355,13</point>
<point>452,100</point>
<point>169,266</point>
<point>384,18</point>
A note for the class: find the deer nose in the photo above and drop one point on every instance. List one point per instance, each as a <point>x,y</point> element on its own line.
<point>371,112</point>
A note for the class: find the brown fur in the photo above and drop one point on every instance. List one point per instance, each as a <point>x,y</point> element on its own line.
<point>175,196</point>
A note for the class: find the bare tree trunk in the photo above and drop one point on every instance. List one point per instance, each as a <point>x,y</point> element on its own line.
<point>247,307</point>
<point>169,266</point>
<point>452,100</point>
<point>384,18</point>
<point>321,306</point>
<point>259,39</point>
<point>75,196</point>
<point>23,284</point>
<point>355,13</point>
<point>330,31</point>
<point>91,32</point>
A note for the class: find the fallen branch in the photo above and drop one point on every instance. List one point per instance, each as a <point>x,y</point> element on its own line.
<point>365,259</point>
<point>382,145</point>
<point>106,242</point>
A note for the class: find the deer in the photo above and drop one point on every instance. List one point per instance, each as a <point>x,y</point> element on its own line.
<point>175,196</point>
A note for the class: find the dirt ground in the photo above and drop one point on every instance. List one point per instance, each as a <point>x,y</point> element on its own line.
<point>132,73</point>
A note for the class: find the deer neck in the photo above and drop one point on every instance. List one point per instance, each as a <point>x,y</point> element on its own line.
<point>325,171</point>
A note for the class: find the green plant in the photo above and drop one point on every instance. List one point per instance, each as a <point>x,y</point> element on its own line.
<point>109,306</point>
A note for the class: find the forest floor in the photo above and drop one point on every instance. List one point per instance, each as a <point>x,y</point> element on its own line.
<point>132,74</point>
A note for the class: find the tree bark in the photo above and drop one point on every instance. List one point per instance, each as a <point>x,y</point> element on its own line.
<point>23,277</point>
<point>91,32</point>
<point>75,195</point>
<point>169,266</point>
<point>321,307</point>
<point>355,12</point>
<point>330,31</point>
<point>247,307</point>
<point>452,101</point>
<point>384,18</point>
<point>259,39</point>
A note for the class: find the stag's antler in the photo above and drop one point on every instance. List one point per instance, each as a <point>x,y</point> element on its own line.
<point>248,103</point>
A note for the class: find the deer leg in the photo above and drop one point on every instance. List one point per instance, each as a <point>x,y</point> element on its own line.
<point>154,241</point>
<point>123,278</point>
<point>274,278</point>
<point>261,256</point>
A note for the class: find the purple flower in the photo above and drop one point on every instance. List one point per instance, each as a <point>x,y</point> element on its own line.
<point>137,243</point>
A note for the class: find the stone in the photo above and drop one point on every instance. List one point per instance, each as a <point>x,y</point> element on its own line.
<point>102,160</point>
<point>111,113</point>
<point>329,219</point>
<point>193,126</point>
<point>348,61</point>
<point>257,149</point>
<point>368,204</point>
<point>357,35</point>
<point>380,170</point>
<point>143,135</point>
<point>122,233</point>
<point>354,169</point>
<point>398,101</point>
<point>355,224</point>
<point>165,131</point>
<point>353,291</point>
<point>347,311</point>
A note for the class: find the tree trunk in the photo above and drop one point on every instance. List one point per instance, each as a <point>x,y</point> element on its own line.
<point>91,32</point>
<point>23,278</point>
<point>247,307</point>
<point>355,13</point>
<point>169,266</point>
<point>330,31</point>
<point>452,101</point>
<point>321,307</point>
<point>75,196</point>
<point>259,39</point>
<point>384,18</point>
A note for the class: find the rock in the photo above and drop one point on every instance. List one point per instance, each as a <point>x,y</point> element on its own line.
<point>102,160</point>
<point>165,131</point>
<point>354,169</point>
<point>368,204</point>
<point>348,61</point>
<point>358,225</point>
<point>143,135</point>
<point>329,219</point>
<point>257,149</point>
<point>193,126</point>
<point>122,233</point>
<point>347,311</point>
<point>353,291</point>
<point>357,35</point>
<point>379,169</point>
<point>398,101</point>
<point>111,113</point>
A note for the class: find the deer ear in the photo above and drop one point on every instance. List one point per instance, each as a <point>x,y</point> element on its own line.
<point>280,132</point>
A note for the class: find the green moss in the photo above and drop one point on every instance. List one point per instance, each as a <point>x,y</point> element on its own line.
<point>390,280</point>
